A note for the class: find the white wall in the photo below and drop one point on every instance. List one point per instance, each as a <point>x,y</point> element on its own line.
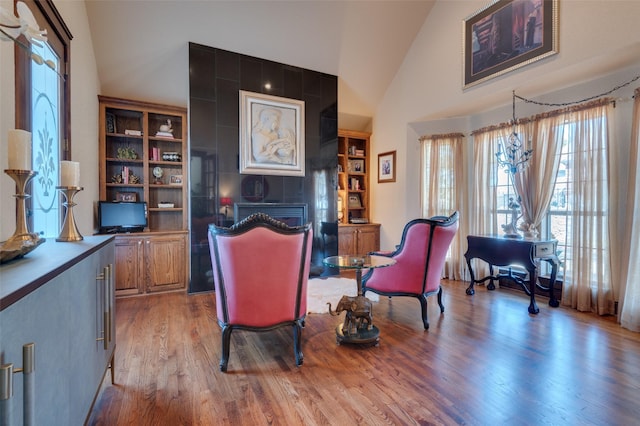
<point>426,95</point>
<point>84,117</point>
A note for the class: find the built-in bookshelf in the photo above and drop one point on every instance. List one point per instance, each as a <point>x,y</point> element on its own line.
<point>143,154</point>
<point>353,176</point>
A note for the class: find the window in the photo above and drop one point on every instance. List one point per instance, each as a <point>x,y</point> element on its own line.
<point>575,141</point>
<point>42,107</point>
<point>568,204</point>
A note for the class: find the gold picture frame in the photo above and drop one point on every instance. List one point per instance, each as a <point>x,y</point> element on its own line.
<point>507,35</point>
<point>387,167</point>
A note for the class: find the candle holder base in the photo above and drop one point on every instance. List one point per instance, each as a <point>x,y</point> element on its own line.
<point>69,230</point>
<point>22,241</point>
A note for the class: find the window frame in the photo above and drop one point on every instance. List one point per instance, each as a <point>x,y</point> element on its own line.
<point>59,39</point>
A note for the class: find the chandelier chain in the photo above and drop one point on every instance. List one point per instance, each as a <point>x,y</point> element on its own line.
<point>563,104</point>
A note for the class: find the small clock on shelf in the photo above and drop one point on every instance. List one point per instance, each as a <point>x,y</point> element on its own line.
<point>158,173</point>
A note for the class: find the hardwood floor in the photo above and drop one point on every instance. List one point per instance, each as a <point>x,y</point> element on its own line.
<point>485,361</point>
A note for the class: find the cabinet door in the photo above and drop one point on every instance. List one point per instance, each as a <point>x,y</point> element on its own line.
<point>166,262</point>
<point>63,318</point>
<point>129,266</point>
<point>347,239</point>
<point>368,239</point>
<point>88,319</point>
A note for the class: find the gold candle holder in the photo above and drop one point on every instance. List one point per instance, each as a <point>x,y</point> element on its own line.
<point>69,230</point>
<point>22,241</point>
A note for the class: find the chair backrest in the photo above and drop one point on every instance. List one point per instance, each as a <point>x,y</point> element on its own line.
<point>260,270</point>
<point>419,258</point>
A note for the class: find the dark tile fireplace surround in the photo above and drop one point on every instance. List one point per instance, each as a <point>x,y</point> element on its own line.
<point>218,189</point>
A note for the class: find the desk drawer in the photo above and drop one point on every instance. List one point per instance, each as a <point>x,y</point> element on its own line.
<point>544,250</point>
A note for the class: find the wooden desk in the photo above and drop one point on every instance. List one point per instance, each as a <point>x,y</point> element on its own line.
<point>502,251</point>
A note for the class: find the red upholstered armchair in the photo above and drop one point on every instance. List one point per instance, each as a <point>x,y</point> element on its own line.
<point>260,270</point>
<point>419,260</point>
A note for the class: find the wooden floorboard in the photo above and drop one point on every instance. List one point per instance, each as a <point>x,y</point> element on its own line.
<point>485,361</point>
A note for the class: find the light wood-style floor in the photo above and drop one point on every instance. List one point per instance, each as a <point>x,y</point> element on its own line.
<point>485,361</point>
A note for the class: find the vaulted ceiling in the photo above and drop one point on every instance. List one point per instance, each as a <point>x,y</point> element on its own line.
<point>141,46</point>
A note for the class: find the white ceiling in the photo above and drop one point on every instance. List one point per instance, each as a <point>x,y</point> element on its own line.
<point>141,46</point>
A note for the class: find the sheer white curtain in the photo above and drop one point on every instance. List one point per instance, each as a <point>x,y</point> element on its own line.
<point>630,288</point>
<point>443,181</point>
<point>484,220</point>
<point>535,183</point>
<point>484,199</point>
<point>587,285</point>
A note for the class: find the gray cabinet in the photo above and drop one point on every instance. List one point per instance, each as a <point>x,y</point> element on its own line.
<point>61,298</point>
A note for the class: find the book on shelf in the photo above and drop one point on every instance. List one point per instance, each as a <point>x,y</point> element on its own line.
<point>154,154</point>
<point>125,175</point>
<point>130,132</point>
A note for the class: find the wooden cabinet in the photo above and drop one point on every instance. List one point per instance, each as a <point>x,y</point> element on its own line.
<point>353,176</point>
<point>358,239</point>
<point>143,157</point>
<point>151,262</point>
<point>60,298</point>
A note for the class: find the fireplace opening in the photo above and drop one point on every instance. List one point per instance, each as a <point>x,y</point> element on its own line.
<point>293,214</point>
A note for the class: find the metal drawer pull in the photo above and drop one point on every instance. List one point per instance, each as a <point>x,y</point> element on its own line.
<point>6,386</point>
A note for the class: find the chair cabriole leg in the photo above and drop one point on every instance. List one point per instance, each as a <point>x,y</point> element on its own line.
<point>423,306</point>
<point>297,345</point>
<point>440,300</point>
<point>226,342</point>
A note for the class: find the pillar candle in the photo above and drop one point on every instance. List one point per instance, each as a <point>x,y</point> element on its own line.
<point>19,150</point>
<point>69,173</point>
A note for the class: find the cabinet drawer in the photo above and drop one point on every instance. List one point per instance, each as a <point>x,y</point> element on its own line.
<point>544,250</point>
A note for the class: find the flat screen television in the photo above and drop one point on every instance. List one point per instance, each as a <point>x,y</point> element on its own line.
<point>114,217</point>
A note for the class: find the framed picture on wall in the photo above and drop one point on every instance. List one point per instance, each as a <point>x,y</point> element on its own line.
<point>272,138</point>
<point>506,35</point>
<point>387,167</point>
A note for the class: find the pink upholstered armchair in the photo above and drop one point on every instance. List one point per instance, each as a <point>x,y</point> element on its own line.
<point>419,260</point>
<point>260,270</point>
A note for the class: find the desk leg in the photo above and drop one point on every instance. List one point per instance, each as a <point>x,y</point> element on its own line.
<point>491,285</point>
<point>533,278</point>
<point>470,291</point>
<point>553,302</point>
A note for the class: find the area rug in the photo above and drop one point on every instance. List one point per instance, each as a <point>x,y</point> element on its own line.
<point>320,291</point>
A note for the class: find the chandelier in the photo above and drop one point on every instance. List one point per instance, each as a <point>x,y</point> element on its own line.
<point>512,156</point>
